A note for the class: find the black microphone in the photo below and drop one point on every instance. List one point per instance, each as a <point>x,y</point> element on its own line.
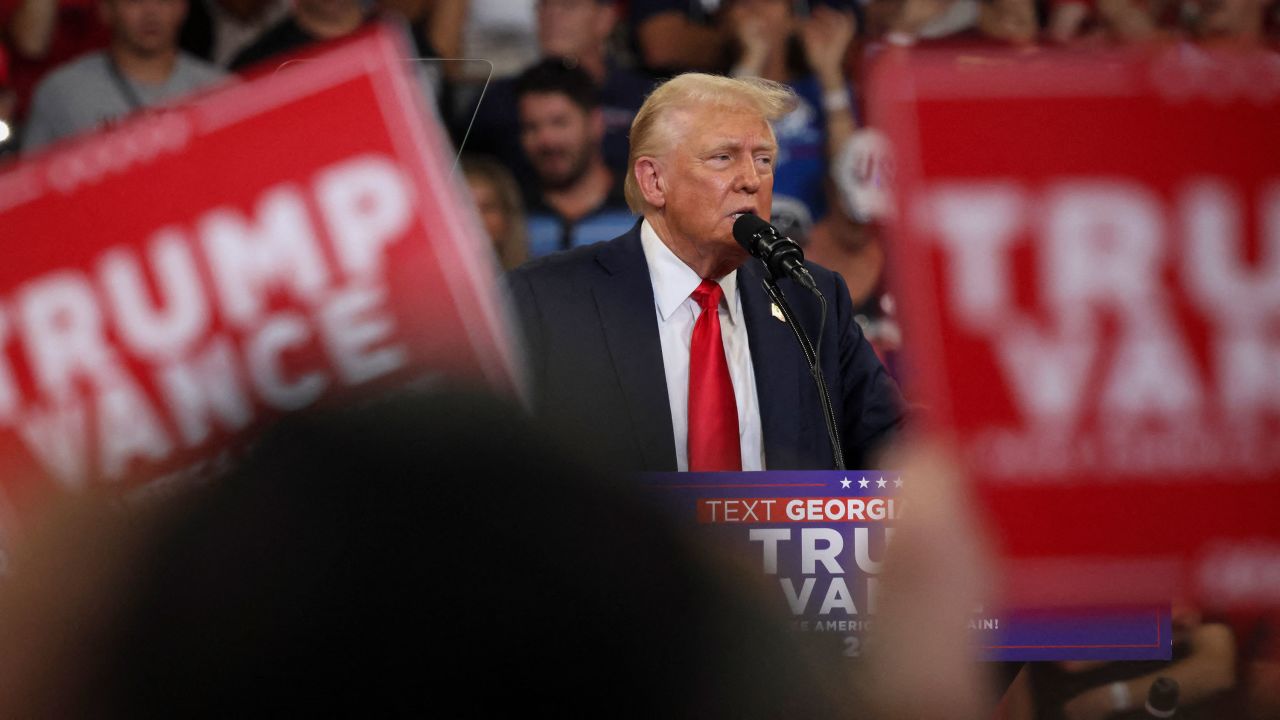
<point>780,254</point>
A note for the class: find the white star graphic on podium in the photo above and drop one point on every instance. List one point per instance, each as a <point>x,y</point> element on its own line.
<point>845,483</point>
<point>897,482</point>
<point>880,483</point>
<point>863,483</point>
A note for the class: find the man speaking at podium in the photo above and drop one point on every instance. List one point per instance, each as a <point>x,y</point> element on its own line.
<point>622,353</point>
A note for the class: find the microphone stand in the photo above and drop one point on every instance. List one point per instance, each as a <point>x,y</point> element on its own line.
<point>812,357</point>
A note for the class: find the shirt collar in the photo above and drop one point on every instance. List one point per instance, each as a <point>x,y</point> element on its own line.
<point>673,281</point>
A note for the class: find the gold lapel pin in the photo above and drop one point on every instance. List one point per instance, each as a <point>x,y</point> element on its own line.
<point>777,312</point>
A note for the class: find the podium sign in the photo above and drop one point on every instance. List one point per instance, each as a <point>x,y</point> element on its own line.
<point>1088,254</point>
<point>174,282</point>
<point>819,538</point>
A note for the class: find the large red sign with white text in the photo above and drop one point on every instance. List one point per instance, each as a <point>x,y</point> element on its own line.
<point>1089,253</point>
<point>172,283</point>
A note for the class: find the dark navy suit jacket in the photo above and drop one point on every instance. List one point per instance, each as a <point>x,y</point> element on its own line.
<point>595,362</point>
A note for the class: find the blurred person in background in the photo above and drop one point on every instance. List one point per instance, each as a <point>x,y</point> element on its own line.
<point>435,30</point>
<point>497,197</point>
<point>577,31</point>
<point>309,22</point>
<point>1203,665</point>
<point>900,22</point>
<point>1232,23</point>
<point>502,33</point>
<point>1008,22</point>
<point>958,22</point>
<point>1261,666</point>
<point>435,25</point>
<point>850,248</point>
<point>856,250</point>
<point>1131,21</point>
<point>216,30</point>
<point>141,68</point>
<point>576,199</point>
<point>674,36</point>
<point>44,34</point>
<point>1106,22</point>
<point>1070,19</point>
<point>807,54</point>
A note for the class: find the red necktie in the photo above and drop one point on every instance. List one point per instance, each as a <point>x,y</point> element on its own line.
<point>713,411</point>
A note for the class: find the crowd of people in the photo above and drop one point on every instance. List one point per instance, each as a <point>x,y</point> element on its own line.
<point>545,90</point>
<point>543,125</point>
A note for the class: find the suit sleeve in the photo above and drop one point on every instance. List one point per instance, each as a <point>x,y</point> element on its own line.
<point>529,333</point>
<point>873,408</point>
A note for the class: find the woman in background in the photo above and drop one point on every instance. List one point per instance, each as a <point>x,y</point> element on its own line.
<point>501,210</point>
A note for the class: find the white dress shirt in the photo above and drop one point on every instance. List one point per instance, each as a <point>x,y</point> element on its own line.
<point>673,283</point>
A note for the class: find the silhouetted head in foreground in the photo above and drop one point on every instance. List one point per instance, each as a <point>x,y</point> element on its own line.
<point>426,555</point>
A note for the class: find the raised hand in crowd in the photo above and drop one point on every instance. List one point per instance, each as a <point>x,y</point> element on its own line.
<point>757,38</point>
<point>1126,20</point>
<point>1234,23</point>
<point>1008,21</point>
<point>913,15</point>
<point>31,27</point>
<point>920,663</point>
<point>1067,19</point>
<point>825,36</point>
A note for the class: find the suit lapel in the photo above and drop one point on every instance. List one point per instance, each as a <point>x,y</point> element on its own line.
<point>779,370</point>
<point>624,298</point>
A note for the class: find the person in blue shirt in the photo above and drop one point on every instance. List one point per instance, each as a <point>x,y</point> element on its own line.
<point>579,32</point>
<point>575,199</point>
<point>807,54</point>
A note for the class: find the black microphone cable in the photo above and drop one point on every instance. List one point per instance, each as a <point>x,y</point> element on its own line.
<point>782,256</point>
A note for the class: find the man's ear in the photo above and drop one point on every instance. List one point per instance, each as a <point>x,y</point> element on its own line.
<point>652,184</point>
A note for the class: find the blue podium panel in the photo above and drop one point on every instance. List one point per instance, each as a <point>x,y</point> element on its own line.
<point>819,537</point>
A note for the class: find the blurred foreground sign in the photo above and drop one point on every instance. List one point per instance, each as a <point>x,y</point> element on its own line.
<point>1090,262</point>
<point>174,282</point>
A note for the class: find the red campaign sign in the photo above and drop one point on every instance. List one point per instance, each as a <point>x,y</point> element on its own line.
<point>171,284</point>
<point>1088,251</point>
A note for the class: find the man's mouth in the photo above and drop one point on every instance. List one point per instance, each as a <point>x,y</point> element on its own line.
<point>744,211</point>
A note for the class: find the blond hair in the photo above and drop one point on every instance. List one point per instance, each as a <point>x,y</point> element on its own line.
<point>513,247</point>
<point>651,134</point>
